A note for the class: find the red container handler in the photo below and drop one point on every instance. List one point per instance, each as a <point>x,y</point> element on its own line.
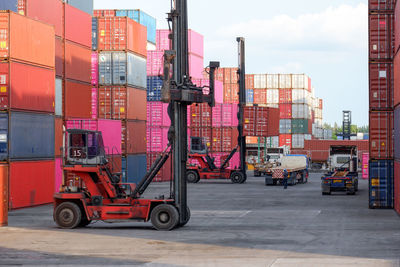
<point>77,101</point>
<point>397,186</point>
<point>381,86</point>
<point>381,135</point>
<point>31,183</point>
<point>164,175</point>
<point>381,36</point>
<point>26,87</point>
<point>78,26</point>
<point>78,62</point>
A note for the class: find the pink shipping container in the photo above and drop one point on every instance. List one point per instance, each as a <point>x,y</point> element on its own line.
<point>157,114</point>
<point>94,103</point>
<point>196,43</point>
<point>155,61</point>
<point>196,66</point>
<point>365,160</point>
<point>225,115</point>
<point>157,139</point>
<point>111,131</point>
<point>58,174</point>
<point>95,69</point>
<point>162,40</point>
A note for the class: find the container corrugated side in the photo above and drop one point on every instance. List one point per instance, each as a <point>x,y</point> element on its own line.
<point>164,175</point>
<point>135,137</point>
<point>78,98</point>
<point>78,61</point>
<point>381,36</point>
<point>381,85</point>
<point>78,26</point>
<point>381,174</point>
<point>381,135</point>
<point>94,34</point>
<point>381,5</point>
<point>135,167</point>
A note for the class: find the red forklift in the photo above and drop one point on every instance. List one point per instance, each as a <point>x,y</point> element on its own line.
<point>100,195</point>
<point>206,169</point>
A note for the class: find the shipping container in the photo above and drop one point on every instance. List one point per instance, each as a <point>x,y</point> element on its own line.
<point>196,43</point>
<point>4,195</point>
<point>301,96</point>
<point>381,135</point>
<point>285,126</point>
<point>78,62</point>
<point>58,136</point>
<point>104,13</point>
<point>164,175</point>
<point>225,115</point>
<point>121,33</point>
<point>58,174</point>
<point>381,174</point>
<point>157,114</point>
<point>9,5</point>
<point>143,18</point>
<point>201,115</point>
<point>285,81</point>
<point>26,87</point>
<point>231,93</point>
<point>396,186</point>
<point>78,26</point>
<point>300,81</point>
<point>134,137</point>
<point>77,101</point>
<point>260,96</point>
<point>59,56</point>
<point>396,133</point>
<point>319,149</point>
<point>224,139</point>
<point>249,81</point>
<point>19,31</point>
<point>196,66</point>
<point>260,81</point>
<point>285,96</point>
<point>298,140</point>
<point>272,81</point>
<point>273,141</point>
<point>273,96</point>
<point>381,5</point>
<point>365,166</point>
<point>285,111</point>
<point>162,40</point>
<point>249,96</point>
<point>155,63</point>
<point>203,132</point>
<point>218,89</point>
<point>135,167</point>
<point>301,111</point>
<point>299,126</point>
<point>381,36</point>
<point>388,84</point>
<point>285,140</point>
<point>31,183</point>
<point>120,103</point>
<point>154,85</point>
<point>95,31</point>
<point>260,121</point>
<point>157,138</point>
<point>381,86</point>
<point>95,69</point>
<point>58,98</point>
<point>396,29</point>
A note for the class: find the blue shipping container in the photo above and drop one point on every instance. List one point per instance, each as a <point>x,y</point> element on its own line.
<point>154,85</point>
<point>249,96</point>
<point>94,34</point>
<point>26,136</point>
<point>9,5</point>
<point>381,174</point>
<point>84,5</point>
<point>136,167</point>
<point>142,18</point>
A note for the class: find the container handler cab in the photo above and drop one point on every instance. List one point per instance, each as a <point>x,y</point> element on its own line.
<point>100,195</point>
<point>343,174</point>
<point>206,168</point>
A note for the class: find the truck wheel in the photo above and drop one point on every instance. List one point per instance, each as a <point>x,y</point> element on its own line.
<point>84,222</point>
<point>237,178</point>
<point>67,215</point>
<point>164,217</point>
<point>326,193</point>
<point>192,177</point>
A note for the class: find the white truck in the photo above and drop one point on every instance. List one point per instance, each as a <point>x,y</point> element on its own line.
<point>295,165</point>
<point>273,158</point>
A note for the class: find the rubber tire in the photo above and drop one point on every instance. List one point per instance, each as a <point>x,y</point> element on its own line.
<point>326,193</point>
<point>194,177</point>
<point>67,209</point>
<point>84,222</point>
<point>171,219</point>
<point>187,219</point>
<point>237,177</point>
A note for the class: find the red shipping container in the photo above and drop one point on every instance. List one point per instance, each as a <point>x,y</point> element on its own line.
<point>26,87</point>
<point>78,60</point>
<point>122,33</point>
<point>78,100</point>
<point>4,194</point>
<point>48,11</point>
<point>104,13</point>
<point>134,137</point>
<point>381,135</point>
<point>396,29</point>
<point>260,96</point>
<point>285,96</point>
<point>164,175</point>
<point>396,79</point>
<point>381,36</point>
<point>310,123</point>
<point>380,86</point>
<point>261,121</point>
<point>321,103</point>
<point>224,139</point>
<point>319,149</point>
<point>200,115</point>
<point>273,122</point>
<point>31,183</point>
<point>397,186</point>
<point>121,103</point>
<point>285,140</point>
<point>78,26</point>
<point>381,5</point>
<point>19,31</point>
<point>249,81</point>
<point>204,132</point>
<point>231,93</point>
<point>59,62</point>
<point>285,111</point>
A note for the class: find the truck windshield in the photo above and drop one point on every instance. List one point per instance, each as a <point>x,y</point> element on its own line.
<point>342,160</point>
<point>274,157</point>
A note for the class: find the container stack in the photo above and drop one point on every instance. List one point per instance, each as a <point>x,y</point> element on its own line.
<point>119,59</point>
<point>381,106</point>
<point>27,109</point>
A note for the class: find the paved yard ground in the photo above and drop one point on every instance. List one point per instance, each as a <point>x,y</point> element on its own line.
<point>231,225</point>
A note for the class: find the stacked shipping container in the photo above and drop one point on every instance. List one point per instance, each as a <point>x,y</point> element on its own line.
<point>381,104</point>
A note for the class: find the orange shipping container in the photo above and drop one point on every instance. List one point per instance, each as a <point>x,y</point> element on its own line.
<point>260,96</point>
<point>231,93</point>
<point>77,62</point>
<point>78,26</point>
<point>26,87</point>
<point>26,40</point>
<point>78,100</point>
<point>59,63</point>
<point>3,195</point>
<point>122,103</point>
<point>134,137</point>
<point>122,33</point>
<point>249,81</point>
<point>58,136</point>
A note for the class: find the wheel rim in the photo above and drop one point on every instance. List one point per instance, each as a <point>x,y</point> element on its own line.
<point>164,217</point>
<point>191,177</point>
<point>67,216</point>
<point>236,177</point>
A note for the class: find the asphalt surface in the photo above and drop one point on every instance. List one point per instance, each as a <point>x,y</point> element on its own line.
<point>231,225</point>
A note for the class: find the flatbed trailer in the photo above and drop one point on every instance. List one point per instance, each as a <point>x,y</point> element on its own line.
<point>339,181</point>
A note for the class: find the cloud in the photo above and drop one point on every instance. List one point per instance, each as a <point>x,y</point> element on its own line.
<point>335,28</point>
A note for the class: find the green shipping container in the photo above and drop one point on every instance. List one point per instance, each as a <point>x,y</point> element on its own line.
<point>299,126</point>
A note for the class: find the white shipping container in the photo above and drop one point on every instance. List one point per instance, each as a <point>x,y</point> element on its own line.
<point>285,81</point>
<point>318,122</point>
<point>260,81</point>
<point>273,142</point>
<point>360,136</point>
<point>58,97</point>
<point>272,105</point>
<point>319,133</point>
<point>301,96</point>
<point>299,81</point>
<point>298,141</point>
<point>272,81</point>
<point>318,113</point>
<point>272,96</point>
<point>301,111</point>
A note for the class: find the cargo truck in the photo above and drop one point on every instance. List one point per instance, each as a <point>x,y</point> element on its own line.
<point>272,159</point>
<point>296,166</point>
<point>343,175</point>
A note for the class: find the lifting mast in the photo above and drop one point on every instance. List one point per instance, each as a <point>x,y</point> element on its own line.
<point>242,102</point>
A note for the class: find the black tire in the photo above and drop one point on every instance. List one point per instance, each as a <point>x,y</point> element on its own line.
<point>187,218</point>
<point>237,177</point>
<point>164,217</point>
<point>326,193</point>
<point>192,177</point>
<point>67,215</point>
<point>84,222</point>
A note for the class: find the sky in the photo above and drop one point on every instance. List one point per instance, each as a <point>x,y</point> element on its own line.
<point>325,39</point>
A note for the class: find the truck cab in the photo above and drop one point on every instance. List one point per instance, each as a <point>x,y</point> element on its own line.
<point>273,158</point>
